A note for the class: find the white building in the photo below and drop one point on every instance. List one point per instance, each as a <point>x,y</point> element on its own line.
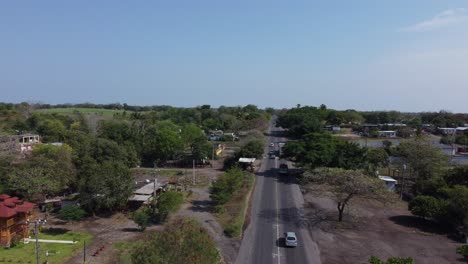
<point>388,134</point>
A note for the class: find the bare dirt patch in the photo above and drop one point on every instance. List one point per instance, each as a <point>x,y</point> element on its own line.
<point>370,229</point>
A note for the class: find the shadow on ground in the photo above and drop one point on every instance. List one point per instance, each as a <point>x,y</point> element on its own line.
<point>419,223</point>
<point>55,231</point>
<point>201,206</point>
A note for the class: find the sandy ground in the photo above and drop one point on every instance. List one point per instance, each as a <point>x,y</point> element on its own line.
<point>371,229</point>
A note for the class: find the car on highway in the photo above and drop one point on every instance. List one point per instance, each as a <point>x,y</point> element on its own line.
<point>290,239</point>
<point>272,144</point>
<point>283,169</point>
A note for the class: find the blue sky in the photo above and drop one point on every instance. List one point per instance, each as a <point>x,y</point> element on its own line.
<point>365,55</point>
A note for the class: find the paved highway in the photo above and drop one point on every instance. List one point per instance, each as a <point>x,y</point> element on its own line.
<point>276,208</point>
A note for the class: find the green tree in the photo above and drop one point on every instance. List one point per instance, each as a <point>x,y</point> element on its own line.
<point>104,187</point>
<point>253,149</point>
<point>169,202</point>
<point>346,185</point>
<point>457,176</point>
<point>425,159</point>
<point>182,241</point>
<point>377,157</point>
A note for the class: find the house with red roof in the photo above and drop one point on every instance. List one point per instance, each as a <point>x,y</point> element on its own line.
<point>14,216</point>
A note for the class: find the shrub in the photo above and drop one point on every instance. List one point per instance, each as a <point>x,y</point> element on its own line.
<point>182,241</point>
<point>72,212</point>
<point>425,206</point>
<point>223,188</point>
<point>142,218</point>
<point>169,202</point>
<point>392,260</point>
<point>463,250</point>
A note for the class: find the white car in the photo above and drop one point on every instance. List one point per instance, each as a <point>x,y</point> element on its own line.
<point>290,239</point>
<point>272,144</point>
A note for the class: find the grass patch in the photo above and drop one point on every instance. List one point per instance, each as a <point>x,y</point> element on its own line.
<point>231,215</point>
<point>76,110</point>
<point>58,253</point>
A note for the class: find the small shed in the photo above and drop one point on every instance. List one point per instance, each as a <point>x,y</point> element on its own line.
<point>247,162</point>
<point>387,134</point>
<point>390,183</point>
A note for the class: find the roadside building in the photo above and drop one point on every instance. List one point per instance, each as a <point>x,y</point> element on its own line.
<point>145,194</point>
<point>215,135</point>
<point>461,130</point>
<point>332,128</point>
<point>447,131</point>
<point>388,134</point>
<point>390,182</point>
<point>14,217</point>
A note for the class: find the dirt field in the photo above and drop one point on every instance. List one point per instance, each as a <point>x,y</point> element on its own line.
<point>371,229</point>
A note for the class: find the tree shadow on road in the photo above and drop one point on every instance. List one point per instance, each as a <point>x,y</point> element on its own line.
<point>273,173</point>
<point>201,206</point>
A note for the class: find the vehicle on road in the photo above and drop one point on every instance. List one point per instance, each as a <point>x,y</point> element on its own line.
<point>290,239</point>
<point>283,169</point>
<point>272,144</point>
<point>272,154</point>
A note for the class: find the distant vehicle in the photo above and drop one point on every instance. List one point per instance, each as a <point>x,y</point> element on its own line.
<point>290,239</point>
<point>283,169</point>
<point>272,155</point>
<point>272,144</point>
<point>147,181</point>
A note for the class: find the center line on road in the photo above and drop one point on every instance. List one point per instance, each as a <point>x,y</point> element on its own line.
<point>277,218</point>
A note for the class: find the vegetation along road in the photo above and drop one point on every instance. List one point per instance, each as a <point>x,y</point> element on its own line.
<point>277,207</point>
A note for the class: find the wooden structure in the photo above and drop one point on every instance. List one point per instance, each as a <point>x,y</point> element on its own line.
<point>14,217</point>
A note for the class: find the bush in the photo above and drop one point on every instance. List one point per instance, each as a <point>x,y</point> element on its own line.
<point>392,260</point>
<point>182,241</point>
<point>223,188</point>
<point>72,212</point>
<point>142,218</point>
<point>168,202</point>
<point>463,250</point>
<point>426,206</point>
<point>233,230</point>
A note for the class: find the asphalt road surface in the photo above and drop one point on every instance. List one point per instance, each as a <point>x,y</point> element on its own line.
<point>277,207</point>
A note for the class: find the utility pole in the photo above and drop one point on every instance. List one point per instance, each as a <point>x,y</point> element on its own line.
<point>36,233</point>
<point>155,175</point>
<point>38,255</point>
<point>212,155</point>
<point>193,172</point>
<point>402,182</point>
<point>84,252</point>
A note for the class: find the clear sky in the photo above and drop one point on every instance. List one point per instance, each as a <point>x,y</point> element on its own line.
<point>363,54</point>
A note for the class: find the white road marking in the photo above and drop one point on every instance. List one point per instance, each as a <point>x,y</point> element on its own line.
<point>277,217</point>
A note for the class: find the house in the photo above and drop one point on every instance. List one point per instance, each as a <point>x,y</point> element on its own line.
<point>144,194</point>
<point>215,135</point>
<point>390,183</point>
<point>14,217</point>
<point>447,130</point>
<point>334,129</point>
<point>388,134</point>
<point>461,130</point>
<point>19,143</point>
